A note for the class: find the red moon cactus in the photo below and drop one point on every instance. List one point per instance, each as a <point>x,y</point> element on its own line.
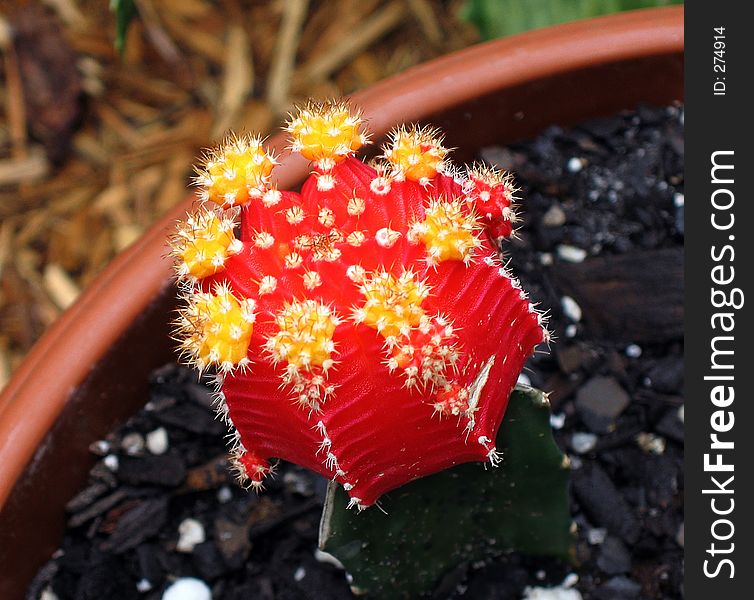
<point>365,327</point>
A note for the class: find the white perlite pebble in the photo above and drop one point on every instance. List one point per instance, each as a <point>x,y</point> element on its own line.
<point>678,200</point>
<point>100,447</point>
<point>558,593</point>
<point>299,574</point>
<point>188,588</point>
<point>571,309</point>
<point>680,413</point>
<point>143,585</point>
<point>111,462</point>
<point>157,441</point>
<point>570,580</point>
<point>571,331</point>
<point>48,594</point>
<point>633,351</point>
<point>596,535</point>
<point>557,420</point>
<point>546,259</point>
<point>224,494</point>
<point>190,533</point>
<point>575,164</point>
<point>132,443</point>
<point>523,379</point>
<point>554,217</point>
<point>649,442</point>
<point>571,254</point>
<point>583,442</point>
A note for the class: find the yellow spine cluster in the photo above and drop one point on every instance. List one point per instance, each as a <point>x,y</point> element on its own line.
<point>236,172</point>
<point>202,244</point>
<point>392,305</point>
<point>304,341</point>
<point>216,329</point>
<point>416,154</point>
<point>304,338</point>
<point>326,133</point>
<point>450,231</point>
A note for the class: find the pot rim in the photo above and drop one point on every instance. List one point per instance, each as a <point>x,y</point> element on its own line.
<point>63,357</point>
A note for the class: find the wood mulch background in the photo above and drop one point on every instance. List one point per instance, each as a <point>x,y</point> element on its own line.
<point>95,147</point>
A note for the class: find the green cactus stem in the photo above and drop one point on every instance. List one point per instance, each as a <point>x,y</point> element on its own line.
<point>464,514</point>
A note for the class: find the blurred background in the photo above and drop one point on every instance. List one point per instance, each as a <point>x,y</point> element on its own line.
<point>106,105</point>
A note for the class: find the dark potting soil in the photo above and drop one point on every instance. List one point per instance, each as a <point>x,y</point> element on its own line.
<point>601,248</point>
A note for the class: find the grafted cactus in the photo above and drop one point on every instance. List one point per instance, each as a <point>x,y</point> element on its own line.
<point>365,327</point>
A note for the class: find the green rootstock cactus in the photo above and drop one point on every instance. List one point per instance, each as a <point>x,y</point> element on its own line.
<point>364,327</point>
<point>429,526</point>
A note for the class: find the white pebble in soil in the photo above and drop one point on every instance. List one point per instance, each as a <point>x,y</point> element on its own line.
<point>100,447</point>
<point>143,585</point>
<point>571,331</point>
<point>48,594</point>
<point>190,533</point>
<point>299,574</point>
<point>680,414</point>
<point>583,442</point>
<point>132,443</point>
<point>546,259</point>
<point>188,588</point>
<point>596,535</point>
<point>111,462</point>
<point>554,217</point>
<point>678,200</point>
<point>633,351</point>
<point>523,379</point>
<point>157,441</point>
<point>557,420</point>
<point>564,591</point>
<point>224,494</point>
<point>571,309</point>
<point>651,443</point>
<point>571,254</point>
<point>575,164</point>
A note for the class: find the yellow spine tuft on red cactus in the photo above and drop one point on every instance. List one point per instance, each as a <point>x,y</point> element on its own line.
<point>202,244</point>
<point>449,231</point>
<point>216,329</point>
<point>326,133</point>
<point>392,305</point>
<point>236,172</point>
<point>304,339</point>
<point>416,153</point>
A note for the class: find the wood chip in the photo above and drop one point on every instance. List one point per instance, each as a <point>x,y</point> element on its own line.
<point>376,26</point>
<point>425,15</point>
<point>284,57</point>
<point>238,80</point>
<point>28,169</point>
<point>60,286</point>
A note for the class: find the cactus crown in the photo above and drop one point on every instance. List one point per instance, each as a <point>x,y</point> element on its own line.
<point>340,319</point>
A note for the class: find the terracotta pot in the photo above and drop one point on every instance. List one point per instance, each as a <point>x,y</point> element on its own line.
<point>90,369</point>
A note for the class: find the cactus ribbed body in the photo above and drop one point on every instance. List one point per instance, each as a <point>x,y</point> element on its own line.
<point>386,333</point>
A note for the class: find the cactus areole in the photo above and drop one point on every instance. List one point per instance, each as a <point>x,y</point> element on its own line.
<point>365,327</point>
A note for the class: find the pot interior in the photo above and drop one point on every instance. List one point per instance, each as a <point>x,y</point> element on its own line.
<point>33,519</point>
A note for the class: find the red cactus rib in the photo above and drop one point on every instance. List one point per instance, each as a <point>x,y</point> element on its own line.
<point>364,328</point>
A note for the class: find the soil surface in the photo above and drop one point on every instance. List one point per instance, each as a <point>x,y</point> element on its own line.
<point>600,247</point>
